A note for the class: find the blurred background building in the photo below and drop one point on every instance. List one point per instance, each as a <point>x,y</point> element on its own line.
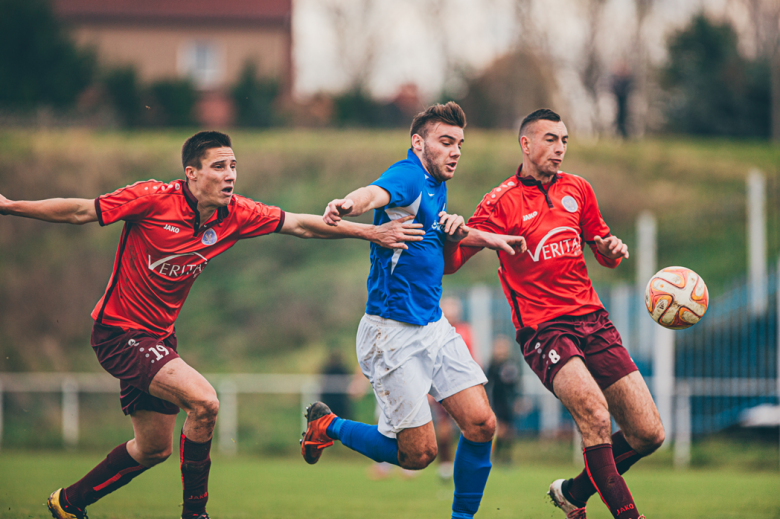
<point>209,43</point>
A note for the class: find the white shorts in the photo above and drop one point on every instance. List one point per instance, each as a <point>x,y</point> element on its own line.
<point>406,362</point>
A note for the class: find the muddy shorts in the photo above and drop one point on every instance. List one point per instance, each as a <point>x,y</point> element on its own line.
<point>134,357</point>
<point>592,337</point>
<point>406,362</point>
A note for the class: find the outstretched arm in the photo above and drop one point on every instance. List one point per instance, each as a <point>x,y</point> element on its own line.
<point>496,242</point>
<point>77,211</point>
<point>457,254</point>
<point>356,203</point>
<point>391,235</point>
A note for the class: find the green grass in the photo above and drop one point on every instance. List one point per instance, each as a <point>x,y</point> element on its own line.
<point>338,487</point>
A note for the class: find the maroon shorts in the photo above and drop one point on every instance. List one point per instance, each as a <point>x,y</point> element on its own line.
<point>134,357</point>
<point>592,337</point>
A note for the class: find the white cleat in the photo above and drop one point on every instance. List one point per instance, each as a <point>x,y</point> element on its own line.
<point>559,500</point>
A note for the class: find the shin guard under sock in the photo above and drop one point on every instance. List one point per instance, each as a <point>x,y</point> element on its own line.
<point>600,466</point>
<point>113,472</point>
<point>195,465</point>
<point>471,471</point>
<point>365,439</point>
<point>579,489</point>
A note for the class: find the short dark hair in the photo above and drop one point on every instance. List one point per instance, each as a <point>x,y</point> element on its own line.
<point>541,114</point>
<point>195,147</point>
<point>450,113</point>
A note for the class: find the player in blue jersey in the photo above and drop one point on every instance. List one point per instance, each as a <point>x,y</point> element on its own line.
<point>405,347</point>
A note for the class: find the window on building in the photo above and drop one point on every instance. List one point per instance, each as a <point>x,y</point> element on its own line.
<point>202,61</point>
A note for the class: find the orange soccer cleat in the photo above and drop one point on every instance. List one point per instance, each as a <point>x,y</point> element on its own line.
<point>315,438</point>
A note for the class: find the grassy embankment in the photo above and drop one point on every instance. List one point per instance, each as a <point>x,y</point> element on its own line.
<point>277,303</point>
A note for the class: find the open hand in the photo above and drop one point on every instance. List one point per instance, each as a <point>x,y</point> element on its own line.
<point>611,247</point>
<point>454,226</point>
<point>505,243</point>
<point>393,234</point>
<point>336,209</point>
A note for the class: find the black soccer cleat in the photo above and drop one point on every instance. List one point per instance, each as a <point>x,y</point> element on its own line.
<point>57,512</point>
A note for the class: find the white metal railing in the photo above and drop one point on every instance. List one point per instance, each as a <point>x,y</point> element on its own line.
<point>228,386</point>
<point>309,387</point>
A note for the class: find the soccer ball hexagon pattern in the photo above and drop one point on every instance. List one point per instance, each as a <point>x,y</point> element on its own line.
<point>676,297</point>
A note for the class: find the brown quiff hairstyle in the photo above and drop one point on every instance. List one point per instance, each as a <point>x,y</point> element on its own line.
<point>450,113</point>
<point>195,147</point>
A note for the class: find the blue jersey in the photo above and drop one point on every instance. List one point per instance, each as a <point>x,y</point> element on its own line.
<point>405,285</point>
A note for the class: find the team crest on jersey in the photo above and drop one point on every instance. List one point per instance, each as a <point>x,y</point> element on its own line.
<point>569,203</point>
<point>209,237</point>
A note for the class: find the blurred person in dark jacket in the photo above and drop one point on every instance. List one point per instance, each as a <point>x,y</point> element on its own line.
<point>503,378</point>
<point>333,393</point>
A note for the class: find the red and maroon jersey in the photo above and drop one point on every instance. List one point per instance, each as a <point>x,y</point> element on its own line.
<point>551,278</point>
<point>163,249</point>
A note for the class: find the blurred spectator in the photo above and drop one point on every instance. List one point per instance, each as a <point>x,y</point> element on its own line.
<point>622,83</point>
<point>333,395</point>
<point>503,377</point>
<point>452,309</point>
<point>444,425</point>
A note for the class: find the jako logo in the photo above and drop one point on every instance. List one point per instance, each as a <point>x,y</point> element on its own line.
<point>174,230</point>
<point>529,216</point>
<point>569,246</point>
<point>625,509</point>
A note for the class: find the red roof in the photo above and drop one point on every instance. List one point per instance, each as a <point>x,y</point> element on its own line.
<point>177,11</point>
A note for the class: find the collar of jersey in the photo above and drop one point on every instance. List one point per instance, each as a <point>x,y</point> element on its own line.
<point>412,157</point>
<point>531,181</point>
<point>222,212</point>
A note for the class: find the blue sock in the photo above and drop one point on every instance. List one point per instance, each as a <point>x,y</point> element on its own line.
<point>472,468</point>
<point>365,439</point>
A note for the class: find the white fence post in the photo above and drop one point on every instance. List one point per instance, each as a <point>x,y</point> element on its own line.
<point>646,266</point>
<point>682,430</point>
<point>309,393</point>
<point>620,311</point>
<point>550,415</point>
<point>577,457</point>
<point>663,377</point>
<point>228,418</point>
<point>1,412</point>
<point>777,326</point>
<point>481,320</point>
<point>756,232</point>
<point>70,412</point>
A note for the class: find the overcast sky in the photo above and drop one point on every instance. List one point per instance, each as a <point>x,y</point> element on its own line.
<point>409,41</point>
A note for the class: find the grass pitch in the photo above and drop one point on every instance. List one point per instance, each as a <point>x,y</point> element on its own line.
<point>339,487</point>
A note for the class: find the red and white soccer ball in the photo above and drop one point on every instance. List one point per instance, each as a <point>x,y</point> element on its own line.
<point>676,298</point>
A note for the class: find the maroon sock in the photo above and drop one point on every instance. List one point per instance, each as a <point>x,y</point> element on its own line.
<point>600,466</point>
<point>195,465</point>
<point>578,490</point>
<point>113,472</point>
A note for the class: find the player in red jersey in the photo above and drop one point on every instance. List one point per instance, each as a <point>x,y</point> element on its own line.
<point>171,232</point>
<point>562,327</point>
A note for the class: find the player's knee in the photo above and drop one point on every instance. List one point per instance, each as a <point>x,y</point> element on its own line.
<point>597,425</point>
<point>651,440</point>
<point>488,428</point>
<point>205,409</point>
<point>419,459</point>
<point>481,428</point>
<point>155,456</point>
